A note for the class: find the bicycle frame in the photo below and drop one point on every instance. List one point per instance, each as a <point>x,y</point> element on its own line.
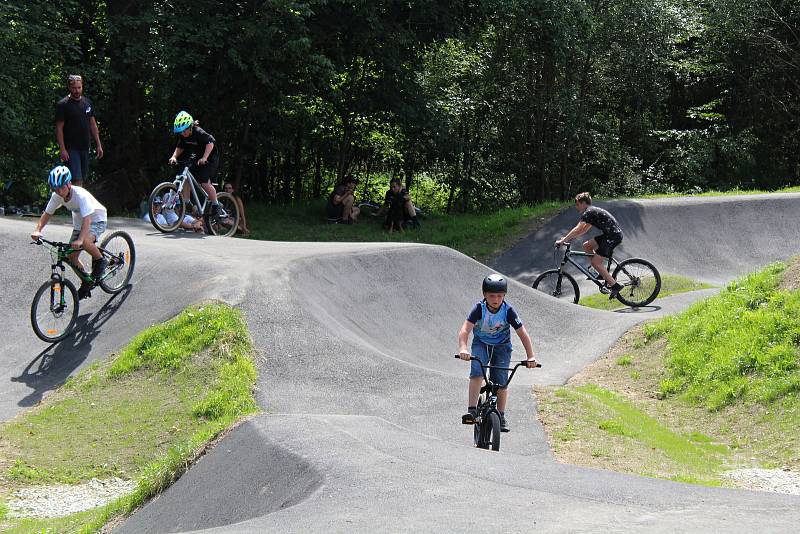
<point>62,253</point>
<point>569,253</point>
<point>181,181</point>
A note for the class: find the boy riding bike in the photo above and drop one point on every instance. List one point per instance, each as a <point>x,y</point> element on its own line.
<point>88,221</point>
<point>490,321</point>
<point>601,246</point>
<point>201,144</point>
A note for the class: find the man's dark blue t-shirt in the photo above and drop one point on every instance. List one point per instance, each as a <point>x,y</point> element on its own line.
<point>75,114</point>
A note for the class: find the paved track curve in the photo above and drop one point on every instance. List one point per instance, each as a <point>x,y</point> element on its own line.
<point>362,397</point>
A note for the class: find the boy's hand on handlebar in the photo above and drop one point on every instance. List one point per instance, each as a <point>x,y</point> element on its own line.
<point>464,355</point>
<point>35,236</point>
<point>560,242</point>
<point>531,363</point>
<point>173,161</point>
<point>77,244</point>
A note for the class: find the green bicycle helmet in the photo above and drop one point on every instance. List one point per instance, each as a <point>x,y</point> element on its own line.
<point>182,121</point>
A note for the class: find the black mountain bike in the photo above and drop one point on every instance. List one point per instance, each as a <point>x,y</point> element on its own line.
<point>55,306</point>
<point>486,430</point>
<point>640,280</point>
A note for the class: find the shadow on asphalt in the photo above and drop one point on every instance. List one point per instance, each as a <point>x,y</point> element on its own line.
<point>642,309</point>
<point>50,368</point>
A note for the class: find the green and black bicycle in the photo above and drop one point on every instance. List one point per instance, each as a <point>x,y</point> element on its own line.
<point>55,306</point>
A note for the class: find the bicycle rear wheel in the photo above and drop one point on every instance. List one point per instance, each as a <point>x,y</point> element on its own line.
<point>492,431</point>
<point>166,207</point>
<point>224,226</point>
<point>54,310</point>
<point>558,284</point>
<point>118,249</point>
<point>641,282</point>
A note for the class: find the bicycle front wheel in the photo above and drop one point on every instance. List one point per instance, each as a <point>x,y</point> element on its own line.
<point>641,282</point>
<point>492,431</point>
<point>226,224</point>
<point>117,248</point>
<point>54,310</point>
<point>166,207</point>
<point>558,284</point>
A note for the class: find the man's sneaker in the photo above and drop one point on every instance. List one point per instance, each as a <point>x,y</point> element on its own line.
<point>504,424</point>
<point>84,292</point>
<point>98,268</point>
<point>615,289</point>
<point>469,417</point>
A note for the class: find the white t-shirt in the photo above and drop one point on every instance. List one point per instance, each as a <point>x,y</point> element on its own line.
<point>81,204</point>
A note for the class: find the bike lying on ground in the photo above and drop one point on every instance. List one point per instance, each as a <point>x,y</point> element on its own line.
<point>486,430</point>
<point>55,306</point>
<point>167,207</point>
<point>640,280</point>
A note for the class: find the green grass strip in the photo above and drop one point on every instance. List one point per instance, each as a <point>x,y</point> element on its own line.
<point>144,416</point>
<point>694,452</point>
<point>671,284</point>
<point>477,235</point>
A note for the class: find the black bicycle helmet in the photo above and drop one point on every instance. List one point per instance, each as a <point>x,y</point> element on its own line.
<point>495,283</point>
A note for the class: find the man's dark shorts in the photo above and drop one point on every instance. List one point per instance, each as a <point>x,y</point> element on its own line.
<point>205,173</point>
<point>334,211</point>
<point>606,243</point>
<point>78,164</point>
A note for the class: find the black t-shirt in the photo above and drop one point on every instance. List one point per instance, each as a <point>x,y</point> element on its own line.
<point>602,220</point>
<point>338,191</point>
<point>196,144</point>
<point>75,114</point>
<point>395,199</point>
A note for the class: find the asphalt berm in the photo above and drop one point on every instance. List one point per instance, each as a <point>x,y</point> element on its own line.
<point>361,395</point>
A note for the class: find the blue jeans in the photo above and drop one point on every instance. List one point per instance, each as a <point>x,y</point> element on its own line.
<point>78,164</point>
<point>499,355</point>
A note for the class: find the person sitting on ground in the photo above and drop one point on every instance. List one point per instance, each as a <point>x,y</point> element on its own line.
<point>242,228</point>
<point>89,219</point>
<point>490,322</point>
<point>168,217</point>
<point>341,202</point>
<point>601,246</point>
<point>398,207</point>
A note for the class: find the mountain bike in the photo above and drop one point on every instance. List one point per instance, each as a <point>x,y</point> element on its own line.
<point>486,430</point>
<point>55,306</point>
<point>639,278</point>
<point>167,206</point>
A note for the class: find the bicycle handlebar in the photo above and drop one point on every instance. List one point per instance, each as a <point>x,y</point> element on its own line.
<point>519,363</point>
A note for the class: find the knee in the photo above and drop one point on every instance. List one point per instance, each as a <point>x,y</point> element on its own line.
<point>587,246</point>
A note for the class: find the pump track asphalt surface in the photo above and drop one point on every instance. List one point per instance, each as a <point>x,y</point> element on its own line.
<point>361,395</point>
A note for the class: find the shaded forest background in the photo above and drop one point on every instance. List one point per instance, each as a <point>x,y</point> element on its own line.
<point>492,103</point>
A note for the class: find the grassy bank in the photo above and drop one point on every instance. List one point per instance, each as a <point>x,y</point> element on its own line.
<point>691,396</point>
<point>479,236</point>
<point>142,416</point>
<point>671,284</point>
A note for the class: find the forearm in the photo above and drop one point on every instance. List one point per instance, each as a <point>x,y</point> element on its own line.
<point>463,339</point>
<point>209,148</point>
<point>87,224</point>
<point>526,342</point>
<point>95,132</point>
<point>575,232</point>
<point>42,222</point>
<point>60,135</point>
<point>177,153</point>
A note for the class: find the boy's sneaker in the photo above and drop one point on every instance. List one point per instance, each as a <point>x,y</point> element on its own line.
<point>504,424</point>
<point>98,268</point>
<point>85,291</point>
<point>615,289</point>
<point>469,417</point>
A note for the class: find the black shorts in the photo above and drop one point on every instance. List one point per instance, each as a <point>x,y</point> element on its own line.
<point>205,173</point>
<point>606,243</point>
<point>334,211</point>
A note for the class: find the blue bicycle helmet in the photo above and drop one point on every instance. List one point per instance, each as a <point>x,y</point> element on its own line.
<point>59,176</point>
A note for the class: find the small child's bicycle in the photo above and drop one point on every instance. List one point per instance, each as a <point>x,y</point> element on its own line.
<point>55,306</point>
<point>486,430</point>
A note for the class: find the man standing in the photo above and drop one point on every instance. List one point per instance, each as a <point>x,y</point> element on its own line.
<point>74,123</point>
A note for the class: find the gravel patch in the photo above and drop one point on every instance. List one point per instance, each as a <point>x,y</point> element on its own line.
<point>774,480</point>
<point>61,499</point>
